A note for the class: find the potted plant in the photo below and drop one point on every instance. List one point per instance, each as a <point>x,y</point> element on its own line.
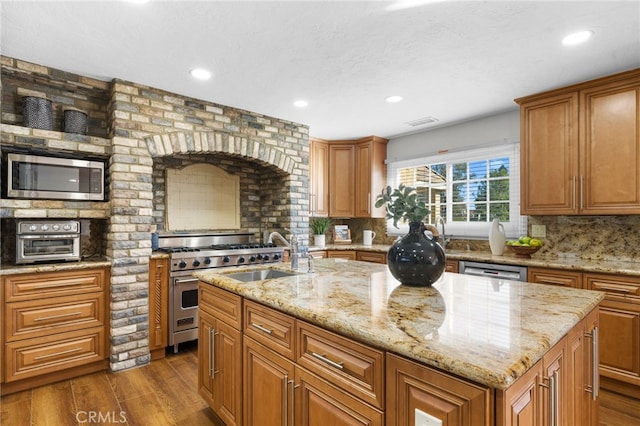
<point>414,259</point>
<point>319,226</point>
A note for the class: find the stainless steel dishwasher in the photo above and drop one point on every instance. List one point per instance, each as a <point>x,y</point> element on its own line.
<point>493,270</point>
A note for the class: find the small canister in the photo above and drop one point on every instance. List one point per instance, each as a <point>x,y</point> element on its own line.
<point>37,112</point>
<point>75,121</point>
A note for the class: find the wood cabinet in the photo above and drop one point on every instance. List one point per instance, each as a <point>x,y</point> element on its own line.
<point>356,175</point>
<point>318,178</point>
<point>372,256</point>
<point>452,266</point>
<point>54,326</point>
<point>577,146</point>
<point>554,277</point>
<point>220,352</point>
<point>620,329</point>
<point>158,307</point>
<point>453,401</point>
<point>559,389</point>
<point>318,254</point>
<point>341,254</point>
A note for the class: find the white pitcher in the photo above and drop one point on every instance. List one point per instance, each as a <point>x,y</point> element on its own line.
<point>497,237</point>
<point>367,237</point>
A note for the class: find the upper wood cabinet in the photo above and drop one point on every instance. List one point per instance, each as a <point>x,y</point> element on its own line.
<point>319,178</point>
<point>580,148</point>
<point>346,176</point>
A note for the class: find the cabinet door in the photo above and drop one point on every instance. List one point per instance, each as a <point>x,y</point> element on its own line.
<point>620,341</point>
<point>519,405</point>
<point>610,148</point>
<point>318,178</point>
<point>371,176</point>
<point>268,387</point>
<point>206,331</point>
<point>227,380</point>
<point>554,277</point>
<point>453,401</point>
<point>341,180</point>
<point>371,256</point>
<point>554,390</point>
<point>158,306</point>
<point>320,404</point>
<point>549,155</point>
<point>452,266</point>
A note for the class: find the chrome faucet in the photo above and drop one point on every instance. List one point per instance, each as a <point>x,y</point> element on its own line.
<point>279,237</point>
<point>443,237</point>
<point>310,260</point>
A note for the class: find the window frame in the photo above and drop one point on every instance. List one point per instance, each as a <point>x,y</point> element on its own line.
<point>472,230</point>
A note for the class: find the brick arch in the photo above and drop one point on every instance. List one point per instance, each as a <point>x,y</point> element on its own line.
<point>210,142</point>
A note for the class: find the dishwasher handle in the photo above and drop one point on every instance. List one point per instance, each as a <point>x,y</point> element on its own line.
<point>492,273</point>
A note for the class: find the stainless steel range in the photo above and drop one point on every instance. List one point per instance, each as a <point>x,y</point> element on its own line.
<point>196,251</point>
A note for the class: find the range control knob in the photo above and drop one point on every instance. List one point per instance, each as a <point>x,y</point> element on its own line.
<point>207,261</point>
<point>33,228</point>
<point>259,257</point>
<point>55,227</point>
<point>182,264</point>
<point>276,256</point>
<point>196,263</point>
<point>67,227</point>
<point>45,227</point>
<point>241,259</point>
<point>226,259</point>
<point>265,257</point>
<point>252,258</point>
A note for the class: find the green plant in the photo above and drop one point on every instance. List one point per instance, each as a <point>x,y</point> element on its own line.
<point>402,204</point>
<point>320,225</point>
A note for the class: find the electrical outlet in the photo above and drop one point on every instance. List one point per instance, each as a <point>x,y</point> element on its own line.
<point>538,231</point>
<point>424,419</point>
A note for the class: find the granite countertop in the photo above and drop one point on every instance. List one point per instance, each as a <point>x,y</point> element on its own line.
<point>11,269</point>
<point>571,263</point>
<point>487,330</point>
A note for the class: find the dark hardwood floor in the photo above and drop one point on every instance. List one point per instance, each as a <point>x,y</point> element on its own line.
<point>164,393</point>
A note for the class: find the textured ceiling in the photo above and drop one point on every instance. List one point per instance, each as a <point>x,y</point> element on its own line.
<point>451,60</point>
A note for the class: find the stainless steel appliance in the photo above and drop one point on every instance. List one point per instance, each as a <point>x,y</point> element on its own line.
<point>191,252</point>
<point>34,176</point>
<point>47,241</point>
<point>494,270</point>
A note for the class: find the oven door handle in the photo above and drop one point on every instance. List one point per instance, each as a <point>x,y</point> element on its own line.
<point>49,237</point>
<point>179,281</point>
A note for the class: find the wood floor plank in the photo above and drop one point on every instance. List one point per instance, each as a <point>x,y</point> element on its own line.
<point>147,410</point>
<point>16,413</point>
<point>53,405</point>
<point>93,394</point>
<point>130,383</point>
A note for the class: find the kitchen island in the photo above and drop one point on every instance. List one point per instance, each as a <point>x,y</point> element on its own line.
<point>487,334</point>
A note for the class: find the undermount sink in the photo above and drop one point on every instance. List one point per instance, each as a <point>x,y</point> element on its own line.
<point>259,275</point>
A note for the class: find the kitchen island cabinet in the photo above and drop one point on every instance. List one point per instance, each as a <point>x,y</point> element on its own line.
<point>503,332</point>
<point>578,145</point>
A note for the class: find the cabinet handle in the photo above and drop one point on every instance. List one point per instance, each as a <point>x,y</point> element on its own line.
<point>554,396</point>
<point>581,192</point>
<point>594,389</point>
<point>261,328</point>
<point>573,191</point>
<point>57,354</point>
<point>70,314</point>
<point>212,352</point>
<point>322,357</point>
<point>286,400</point>
<point>369,202</point>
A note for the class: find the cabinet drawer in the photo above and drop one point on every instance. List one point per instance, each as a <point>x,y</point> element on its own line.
<point>36,318</point>
<point>52,284</point>
<point>372,256</point>
<point>618,287</point>
<point>34,357</point>
<point>220,303</point>
<point>271,328</point>
<point>452,266</point>
<point>341,254</point>
<point>345,363</point>
<point>555,277</point>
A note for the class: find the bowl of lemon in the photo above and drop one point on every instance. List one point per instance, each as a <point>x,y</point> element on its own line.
<point>524,246</point>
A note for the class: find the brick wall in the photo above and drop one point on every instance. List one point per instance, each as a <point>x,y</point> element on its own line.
<point>147,131</point>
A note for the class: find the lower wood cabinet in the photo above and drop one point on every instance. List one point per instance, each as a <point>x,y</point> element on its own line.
<point>412,387</point>
<point>554,277</point>
<point>54,326</point>
<point>341,254</point>
<point>158,307</point>
<point>452,266</point>
<point>372,256</point>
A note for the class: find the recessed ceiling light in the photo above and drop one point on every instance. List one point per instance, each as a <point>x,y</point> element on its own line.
<point>200,74</point>
<point>393,99</point>
<point>577,38</point>
<point>300,103</point>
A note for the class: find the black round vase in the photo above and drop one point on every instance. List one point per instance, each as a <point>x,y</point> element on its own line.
<point>416,260</point>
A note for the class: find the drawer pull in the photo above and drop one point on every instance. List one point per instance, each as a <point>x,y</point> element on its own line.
<point>322,357</point>
<point>61,284</point>
<point>57,354</point>
<point>613,289</point>
<point>261,328</point>
<point>50,317</point>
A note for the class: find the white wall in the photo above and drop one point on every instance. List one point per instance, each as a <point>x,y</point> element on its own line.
<point>487,131</point>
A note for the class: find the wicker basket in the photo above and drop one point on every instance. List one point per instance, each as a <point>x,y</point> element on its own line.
<point>37,113</point>
<point>75,121</point>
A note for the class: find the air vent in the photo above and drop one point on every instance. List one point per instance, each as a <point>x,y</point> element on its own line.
<point>421,121</point>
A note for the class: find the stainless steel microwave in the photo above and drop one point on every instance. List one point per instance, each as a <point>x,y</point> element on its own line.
<point>54,178</point>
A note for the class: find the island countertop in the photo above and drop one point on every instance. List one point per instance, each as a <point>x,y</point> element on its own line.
<point>487,330</point>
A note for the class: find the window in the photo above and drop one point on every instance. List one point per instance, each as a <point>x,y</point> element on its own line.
<point>468,189</point>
